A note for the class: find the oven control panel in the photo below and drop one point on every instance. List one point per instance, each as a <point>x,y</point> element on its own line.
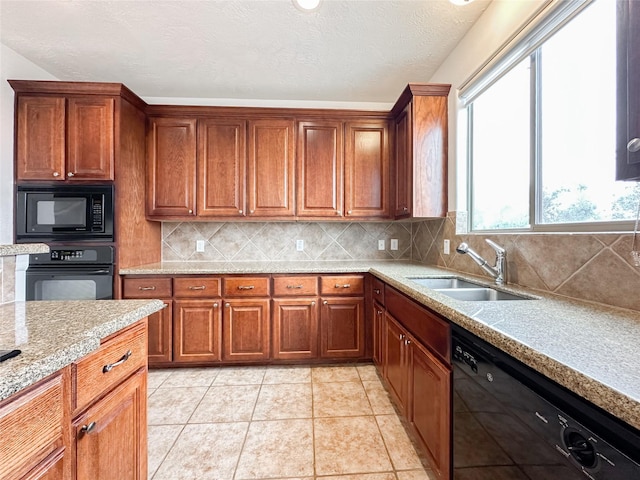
<point>94,255</point>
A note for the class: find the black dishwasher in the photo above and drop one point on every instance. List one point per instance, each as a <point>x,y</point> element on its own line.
<point>511,423</point>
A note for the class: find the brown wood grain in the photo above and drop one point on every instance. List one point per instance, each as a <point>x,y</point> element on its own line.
<point>197,287</point>
<point>295,285</point>
<point>246,286</point>
<point>342,327</point>
<point>197,330</point>
<point>342,285</point>
<point>295,328</point>
<point>160,335</point>
<point>247,329</point>
<point>147,287</point>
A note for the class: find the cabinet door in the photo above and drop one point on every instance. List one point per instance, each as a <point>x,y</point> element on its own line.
<point>51,469</point>
<point>395,370</point>
<point>40,138</point>
<point>160,335</point>
<point>295,328</point>
<point>366,171</point>
<point>403,176</point>
<point>271,168</point>
<point>628,91</point>
<point>430,407</point>
<point>342,327</point>
<point>90,138</point>
<point>320,167</point>
<point>111,436</point>
<point>222,158</point>
<point>377,314</point>
<point>171,167</point>
<point>246,329</point>
<point>197,331</point>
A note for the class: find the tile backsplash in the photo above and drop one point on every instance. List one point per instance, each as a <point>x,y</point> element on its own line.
<point>596,267</point>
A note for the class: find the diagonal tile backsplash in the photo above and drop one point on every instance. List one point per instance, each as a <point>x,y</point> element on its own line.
<point>595,267</point>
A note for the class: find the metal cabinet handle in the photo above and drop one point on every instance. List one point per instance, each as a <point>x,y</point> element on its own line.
<point>294,286</point>
<point>400,336</point>
<point>634,145</point>
<point>313,304</point>
<point>227,304</point>
<point>111,366</point>
<point>71,174</point>
<point>147,288</point>
<point>379,312</point>
<point>215,304</point>
<point>197,287</point>
<point>88,428</point>
<point>240,212</point>
<point>376,291</point>
<point>251,211</point>
<point>190,211</point>
<point>325,302</point>
<point>404,209</point>
<point>56,174</point>
<point>246,287</point>
<point>346,285</point>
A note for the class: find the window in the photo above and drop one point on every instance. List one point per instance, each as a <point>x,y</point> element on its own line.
<point>541,141</point>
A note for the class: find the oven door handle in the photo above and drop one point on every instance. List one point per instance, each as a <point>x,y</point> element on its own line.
<point>69,271</point>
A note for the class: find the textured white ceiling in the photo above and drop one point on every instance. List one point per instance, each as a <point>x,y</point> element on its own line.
<point>346,51</point>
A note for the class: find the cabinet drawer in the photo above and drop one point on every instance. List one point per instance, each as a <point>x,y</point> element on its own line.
<point>246,287</point>
<point>377,290</point>
<point>147,287</point>
<point>189,287</point>
<point>342,285</point>
<point>288,286</point>
<point>117,358</point>
<point>32,426</point>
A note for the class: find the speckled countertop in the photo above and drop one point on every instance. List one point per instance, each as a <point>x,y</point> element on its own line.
<point>589,348</point>
<point>52,335</point>
<point>22,249</point>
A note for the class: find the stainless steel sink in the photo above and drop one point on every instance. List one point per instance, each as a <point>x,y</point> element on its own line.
<point>479,294</point>
<point>437,283</point>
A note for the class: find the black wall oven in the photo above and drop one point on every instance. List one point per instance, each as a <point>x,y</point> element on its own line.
<point>512,423</point>
<point>71,273</point>
<point>64,213</point>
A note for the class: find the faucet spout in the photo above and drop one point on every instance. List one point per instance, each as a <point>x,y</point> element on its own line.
<point>497,271</point>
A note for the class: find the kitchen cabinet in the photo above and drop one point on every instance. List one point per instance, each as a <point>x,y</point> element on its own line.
<point>628,91</point>
<point>160,344</point>
<point>221,165</point>
<point>343,169</point>
<point>270,169</point>
<point>320,168</point>
<point>171,167</point>
<point>377,318</point>
<point>416,368</point>
<point>35,426</point>
<point>247,319</point>
<point>342,321</point>
<point>64,138</point>
<point>295,317</point>
<point>420,119</point>
<point>366,174</point>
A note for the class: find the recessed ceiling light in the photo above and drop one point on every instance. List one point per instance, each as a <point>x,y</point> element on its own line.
<point>461,2</point>
<point>306,5</point>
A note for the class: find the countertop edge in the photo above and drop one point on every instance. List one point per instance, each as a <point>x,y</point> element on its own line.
<point>22,249</point>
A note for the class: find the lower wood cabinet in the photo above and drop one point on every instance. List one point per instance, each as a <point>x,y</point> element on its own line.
<point>342,327</point>
<point>395,366</point>
<point>295,328</point>
<point>246,329</point>
<point>161,335</point>
<point>197,331</point>
<point>111,436</point>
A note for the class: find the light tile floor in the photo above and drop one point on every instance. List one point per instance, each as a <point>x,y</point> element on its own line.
<point>325,422</point>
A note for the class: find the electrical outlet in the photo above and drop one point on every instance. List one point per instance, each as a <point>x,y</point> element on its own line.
<point>381,244</point>
<point>446,247</point>
<point>199,245</point>
<point>394,244</point>
<point>300,245</point>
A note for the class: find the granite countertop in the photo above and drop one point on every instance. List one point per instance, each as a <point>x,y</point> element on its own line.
<point>53,334</point>
<point>587,347</point>
<point>22,249</point>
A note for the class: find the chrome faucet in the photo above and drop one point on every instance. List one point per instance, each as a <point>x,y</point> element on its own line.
<point>498,271</point>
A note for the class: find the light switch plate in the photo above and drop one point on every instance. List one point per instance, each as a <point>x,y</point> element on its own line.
<point>394,244</point>
<point>381,244</point>
<point>199,245</point>
<point>300,245</point>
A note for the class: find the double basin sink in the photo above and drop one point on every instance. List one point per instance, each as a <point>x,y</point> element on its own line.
<point>464,290</point>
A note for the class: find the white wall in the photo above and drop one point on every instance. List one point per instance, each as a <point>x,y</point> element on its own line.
<point>15,67</point>
<point>500,21</point>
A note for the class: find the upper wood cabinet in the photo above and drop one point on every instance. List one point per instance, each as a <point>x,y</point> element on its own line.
<point>320,166</point>
<point>420,153</point>
<point>366,171</point>
<point>222,159</point>
<point>343,169</point>
<point>270,168</point>
<point>171,167</point>
<point>628,91</point>
<point>62,138</point>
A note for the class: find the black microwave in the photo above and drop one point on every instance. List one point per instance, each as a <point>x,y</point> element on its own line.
<point>65,212</point>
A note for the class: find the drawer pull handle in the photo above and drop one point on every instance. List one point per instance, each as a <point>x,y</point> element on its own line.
<point>246,287</point>
<point>294,286</point>
<point>147,288</point>
<point>111,366</point>
<point>197,287</point>
<point>377,291</point>
<point>325,302</point>
<point>86,429</point>
<point>346,285</point>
